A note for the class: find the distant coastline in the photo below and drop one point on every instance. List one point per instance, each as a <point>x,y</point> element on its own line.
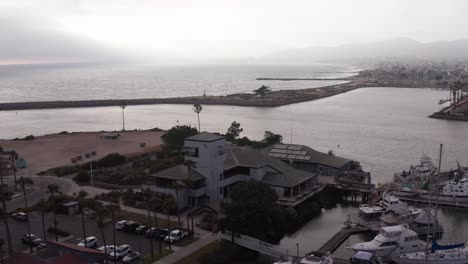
<point>274,99</point>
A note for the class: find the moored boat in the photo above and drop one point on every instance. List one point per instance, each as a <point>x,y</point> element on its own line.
<point>392,240</point>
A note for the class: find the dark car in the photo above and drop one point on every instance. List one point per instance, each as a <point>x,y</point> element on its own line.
<point>33,240</point>
<point>141,229</point>
<point>130,226</point>
<point>160,234</point>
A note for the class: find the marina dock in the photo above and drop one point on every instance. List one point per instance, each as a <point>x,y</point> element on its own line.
<point>338,239</point>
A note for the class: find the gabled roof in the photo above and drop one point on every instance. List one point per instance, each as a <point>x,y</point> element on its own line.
<point>205,137</point>
<point>283,174</point>
<point>68,259</point>
<point>303,153</point>
<point>178,172</point>
<point>22,258</point>
<point>74,247</point>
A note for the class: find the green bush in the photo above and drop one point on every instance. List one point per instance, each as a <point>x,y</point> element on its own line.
<point>82,177</point>
<point>113,159</point>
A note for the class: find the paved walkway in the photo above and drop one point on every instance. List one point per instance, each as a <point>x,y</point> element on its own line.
<point>187,250</point>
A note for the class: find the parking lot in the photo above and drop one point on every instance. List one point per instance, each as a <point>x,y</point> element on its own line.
<point>73,225</point>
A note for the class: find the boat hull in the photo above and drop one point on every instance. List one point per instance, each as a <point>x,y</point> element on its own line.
<point>442,197</point>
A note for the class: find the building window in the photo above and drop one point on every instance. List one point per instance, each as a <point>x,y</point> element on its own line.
<point>192,152</point>
<point>220,177</point>
<point>220,190</point>
<point>220,151</point>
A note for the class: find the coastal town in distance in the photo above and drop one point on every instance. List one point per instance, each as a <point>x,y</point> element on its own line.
<point>234,132</point>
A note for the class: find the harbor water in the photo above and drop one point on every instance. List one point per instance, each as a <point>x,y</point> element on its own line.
<point>386,129</point>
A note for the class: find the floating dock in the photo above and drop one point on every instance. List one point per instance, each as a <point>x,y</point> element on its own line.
<point>340,237</point>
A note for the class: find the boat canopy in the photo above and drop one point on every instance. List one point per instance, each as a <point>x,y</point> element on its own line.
<point>363,255</point>
<point>436,246</point>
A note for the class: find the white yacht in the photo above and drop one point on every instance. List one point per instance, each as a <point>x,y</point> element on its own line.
<point>389,203</point>
<point>455,191</point>
<point>455,254</point>
<point>392,240</point>
<point>418,175</point>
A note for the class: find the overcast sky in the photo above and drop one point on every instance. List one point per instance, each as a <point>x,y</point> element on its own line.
<point>67,30</point>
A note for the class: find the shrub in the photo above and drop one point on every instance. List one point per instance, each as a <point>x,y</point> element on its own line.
<point>111,160</point>
<point>30,137</point>
<point>82,177</point>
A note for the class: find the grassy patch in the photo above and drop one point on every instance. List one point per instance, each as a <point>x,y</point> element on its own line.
<point>186,241</point>
<point>192,258</point>
<point>149,260</point>
<point>143,219</point>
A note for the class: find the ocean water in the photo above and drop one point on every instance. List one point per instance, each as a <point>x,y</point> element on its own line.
<point>386,129</point>
<point>21,83</point>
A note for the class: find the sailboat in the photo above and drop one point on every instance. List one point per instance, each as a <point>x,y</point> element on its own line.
<point>439,254</point>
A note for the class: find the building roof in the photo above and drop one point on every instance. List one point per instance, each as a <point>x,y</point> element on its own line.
<point>68,259</point>
<point>179,172</point>
<point>73,247</point>
<point>23,258</point>
<point>303,153</point>
<point>283,174</point>
<point>70,203</point>
<point>205,137</point>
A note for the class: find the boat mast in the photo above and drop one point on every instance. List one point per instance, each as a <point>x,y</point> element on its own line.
<point>437,193</point>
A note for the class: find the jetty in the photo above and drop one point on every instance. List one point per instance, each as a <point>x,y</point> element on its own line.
<point>458,108</point>
<point>340,237</point>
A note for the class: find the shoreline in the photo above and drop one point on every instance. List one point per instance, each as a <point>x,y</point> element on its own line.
<point>274,99</point>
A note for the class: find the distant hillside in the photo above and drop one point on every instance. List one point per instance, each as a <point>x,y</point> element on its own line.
<point>401,48</point>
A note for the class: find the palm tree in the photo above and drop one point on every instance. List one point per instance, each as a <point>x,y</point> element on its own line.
<point>2,243</point>
<point>197,109</point>
<point>52,189</point>
<point>190,164</point>
<point>168,205</point>
<point>177,185</point>
<point>100,212</point>
<point>23,182</point>
<point>81,196</point>
<point>113,208</point>
<point>42,205</point>
<point>147,196</point>
<point>123,105</point>
<point>157,204</point>
<point>5,195</point>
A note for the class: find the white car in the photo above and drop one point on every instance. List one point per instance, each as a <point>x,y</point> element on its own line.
<point>106,249</point>
<point>131,257</point>
<point>120,224</point>
<point>120,252</point>
<point>20,216</point>
<point>176,235</point>
<point>90,242</point>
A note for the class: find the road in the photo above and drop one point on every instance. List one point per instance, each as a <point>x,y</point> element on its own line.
<point>38,191</point>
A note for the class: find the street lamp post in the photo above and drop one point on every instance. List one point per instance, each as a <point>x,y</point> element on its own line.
<point>90,156</point>
<point>123,115</point>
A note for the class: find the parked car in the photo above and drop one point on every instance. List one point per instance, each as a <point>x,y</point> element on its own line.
<point>157,233</point>
<point>176,235</point>
<point>33,240</point>
<point>120,252</point>
<point>130,226</point>
<point>120,224</point>
<point>89,212</point>
<point>20,216</point>
<point>89,242</point>
<point>106,249</point>
<point>160,234</point>
<point>141,229</point>
<point>131,257</point>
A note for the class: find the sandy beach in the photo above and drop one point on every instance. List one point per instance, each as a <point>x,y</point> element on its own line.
<point>55,150</point>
